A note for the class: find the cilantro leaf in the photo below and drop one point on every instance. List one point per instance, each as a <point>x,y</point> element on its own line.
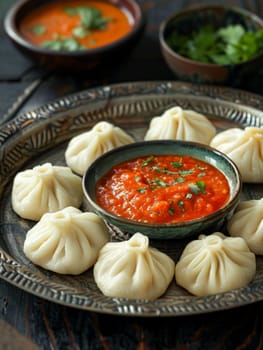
<point>231,44</point>
<point>62,44</point>
<point>147,161</point>
<point>231,34</point>
<point>38,29</point>
<point>197,187</point>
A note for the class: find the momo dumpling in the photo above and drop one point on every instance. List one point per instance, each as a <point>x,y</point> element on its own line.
<point>215,264</point>
<point>247,222</point>
<point>67,241</point>
<point>131,269</point>
<point>45,188</point>
<point>245,148</point>
<point>181,124</point>
<point>83,149</point>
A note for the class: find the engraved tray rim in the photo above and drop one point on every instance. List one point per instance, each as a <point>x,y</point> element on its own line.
<point>60,114</point>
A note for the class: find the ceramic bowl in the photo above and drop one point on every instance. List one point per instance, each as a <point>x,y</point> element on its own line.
<point>191,19</point>
<point>206,224</point>
<point>85,59</point>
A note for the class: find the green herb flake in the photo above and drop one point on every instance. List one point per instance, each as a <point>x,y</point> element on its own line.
<point>157,168</point>
<point>147,161</point>
<point>179,180</point>
<point>164,170</point>
<point>201,186</point>
<point>180,204</point>
<point>194,188</point>
<point>200,167</point>
<point>141,190</point>
<point>171,211</point>
<point>70,44</point>
<point>198,187</point>
<point>169,172</point>
<point>137,178</point>
<point>62,44</point>
<point>90,17</point>
<point>55,45</point>
<point>189,196</point>
<point>87,16</point>
<point>38,29</point>
<point>177,164</point>
<point>159,183</point>
<point>186,172</point>
<point>80,32</point>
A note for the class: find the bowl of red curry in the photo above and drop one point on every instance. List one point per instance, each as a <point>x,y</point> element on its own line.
<point>164,189</point>
<point>75,35</point>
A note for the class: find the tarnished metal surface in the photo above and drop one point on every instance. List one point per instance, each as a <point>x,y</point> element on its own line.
<point>42,135</point>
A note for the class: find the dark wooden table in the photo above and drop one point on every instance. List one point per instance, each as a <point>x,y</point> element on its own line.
<point>26,320</point>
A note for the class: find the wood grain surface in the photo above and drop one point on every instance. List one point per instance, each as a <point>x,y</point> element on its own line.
<point>52,326</point>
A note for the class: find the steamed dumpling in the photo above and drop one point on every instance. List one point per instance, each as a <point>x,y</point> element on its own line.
<point>247,222</point>
<point>131,269</point>
<point>215,264</point>
<point>83,149</point>
<point>180,124</point>
<point>45,188</point>
<point>67,241</point>
<point>245,148</point>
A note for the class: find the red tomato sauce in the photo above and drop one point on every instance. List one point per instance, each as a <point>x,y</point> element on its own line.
<point>61,18</point>
<point>162,189</point>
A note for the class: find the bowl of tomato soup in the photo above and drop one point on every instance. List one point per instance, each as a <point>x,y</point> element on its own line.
<point>75,34</point>
<point>164,189</point>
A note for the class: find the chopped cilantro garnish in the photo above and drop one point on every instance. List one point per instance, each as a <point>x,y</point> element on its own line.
<point>169,172</point>
<point>171,210</point>
<point>194,188</point>
<point>62,44</point>
<point>179,180</point>
<point>164,170</point>
<point>141,190</point>
<point>91,18</point>
<point>198,166</point>
<point>177,164</point>
<point>186,172</point>
<point>38,29</point>
<point>147,161</point>
<point>157,168</point>
<point>159,183</point>
<point>197,187</point>
<point>137,178</point>
<point>80,32</point>
<point>201,186</point>
<point>180,204</point>
<point>231,44</point>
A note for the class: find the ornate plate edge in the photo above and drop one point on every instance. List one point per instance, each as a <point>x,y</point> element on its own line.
<point>16,274</point>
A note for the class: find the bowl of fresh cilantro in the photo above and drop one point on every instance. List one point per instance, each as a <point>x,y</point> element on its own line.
<point>214,44</point>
